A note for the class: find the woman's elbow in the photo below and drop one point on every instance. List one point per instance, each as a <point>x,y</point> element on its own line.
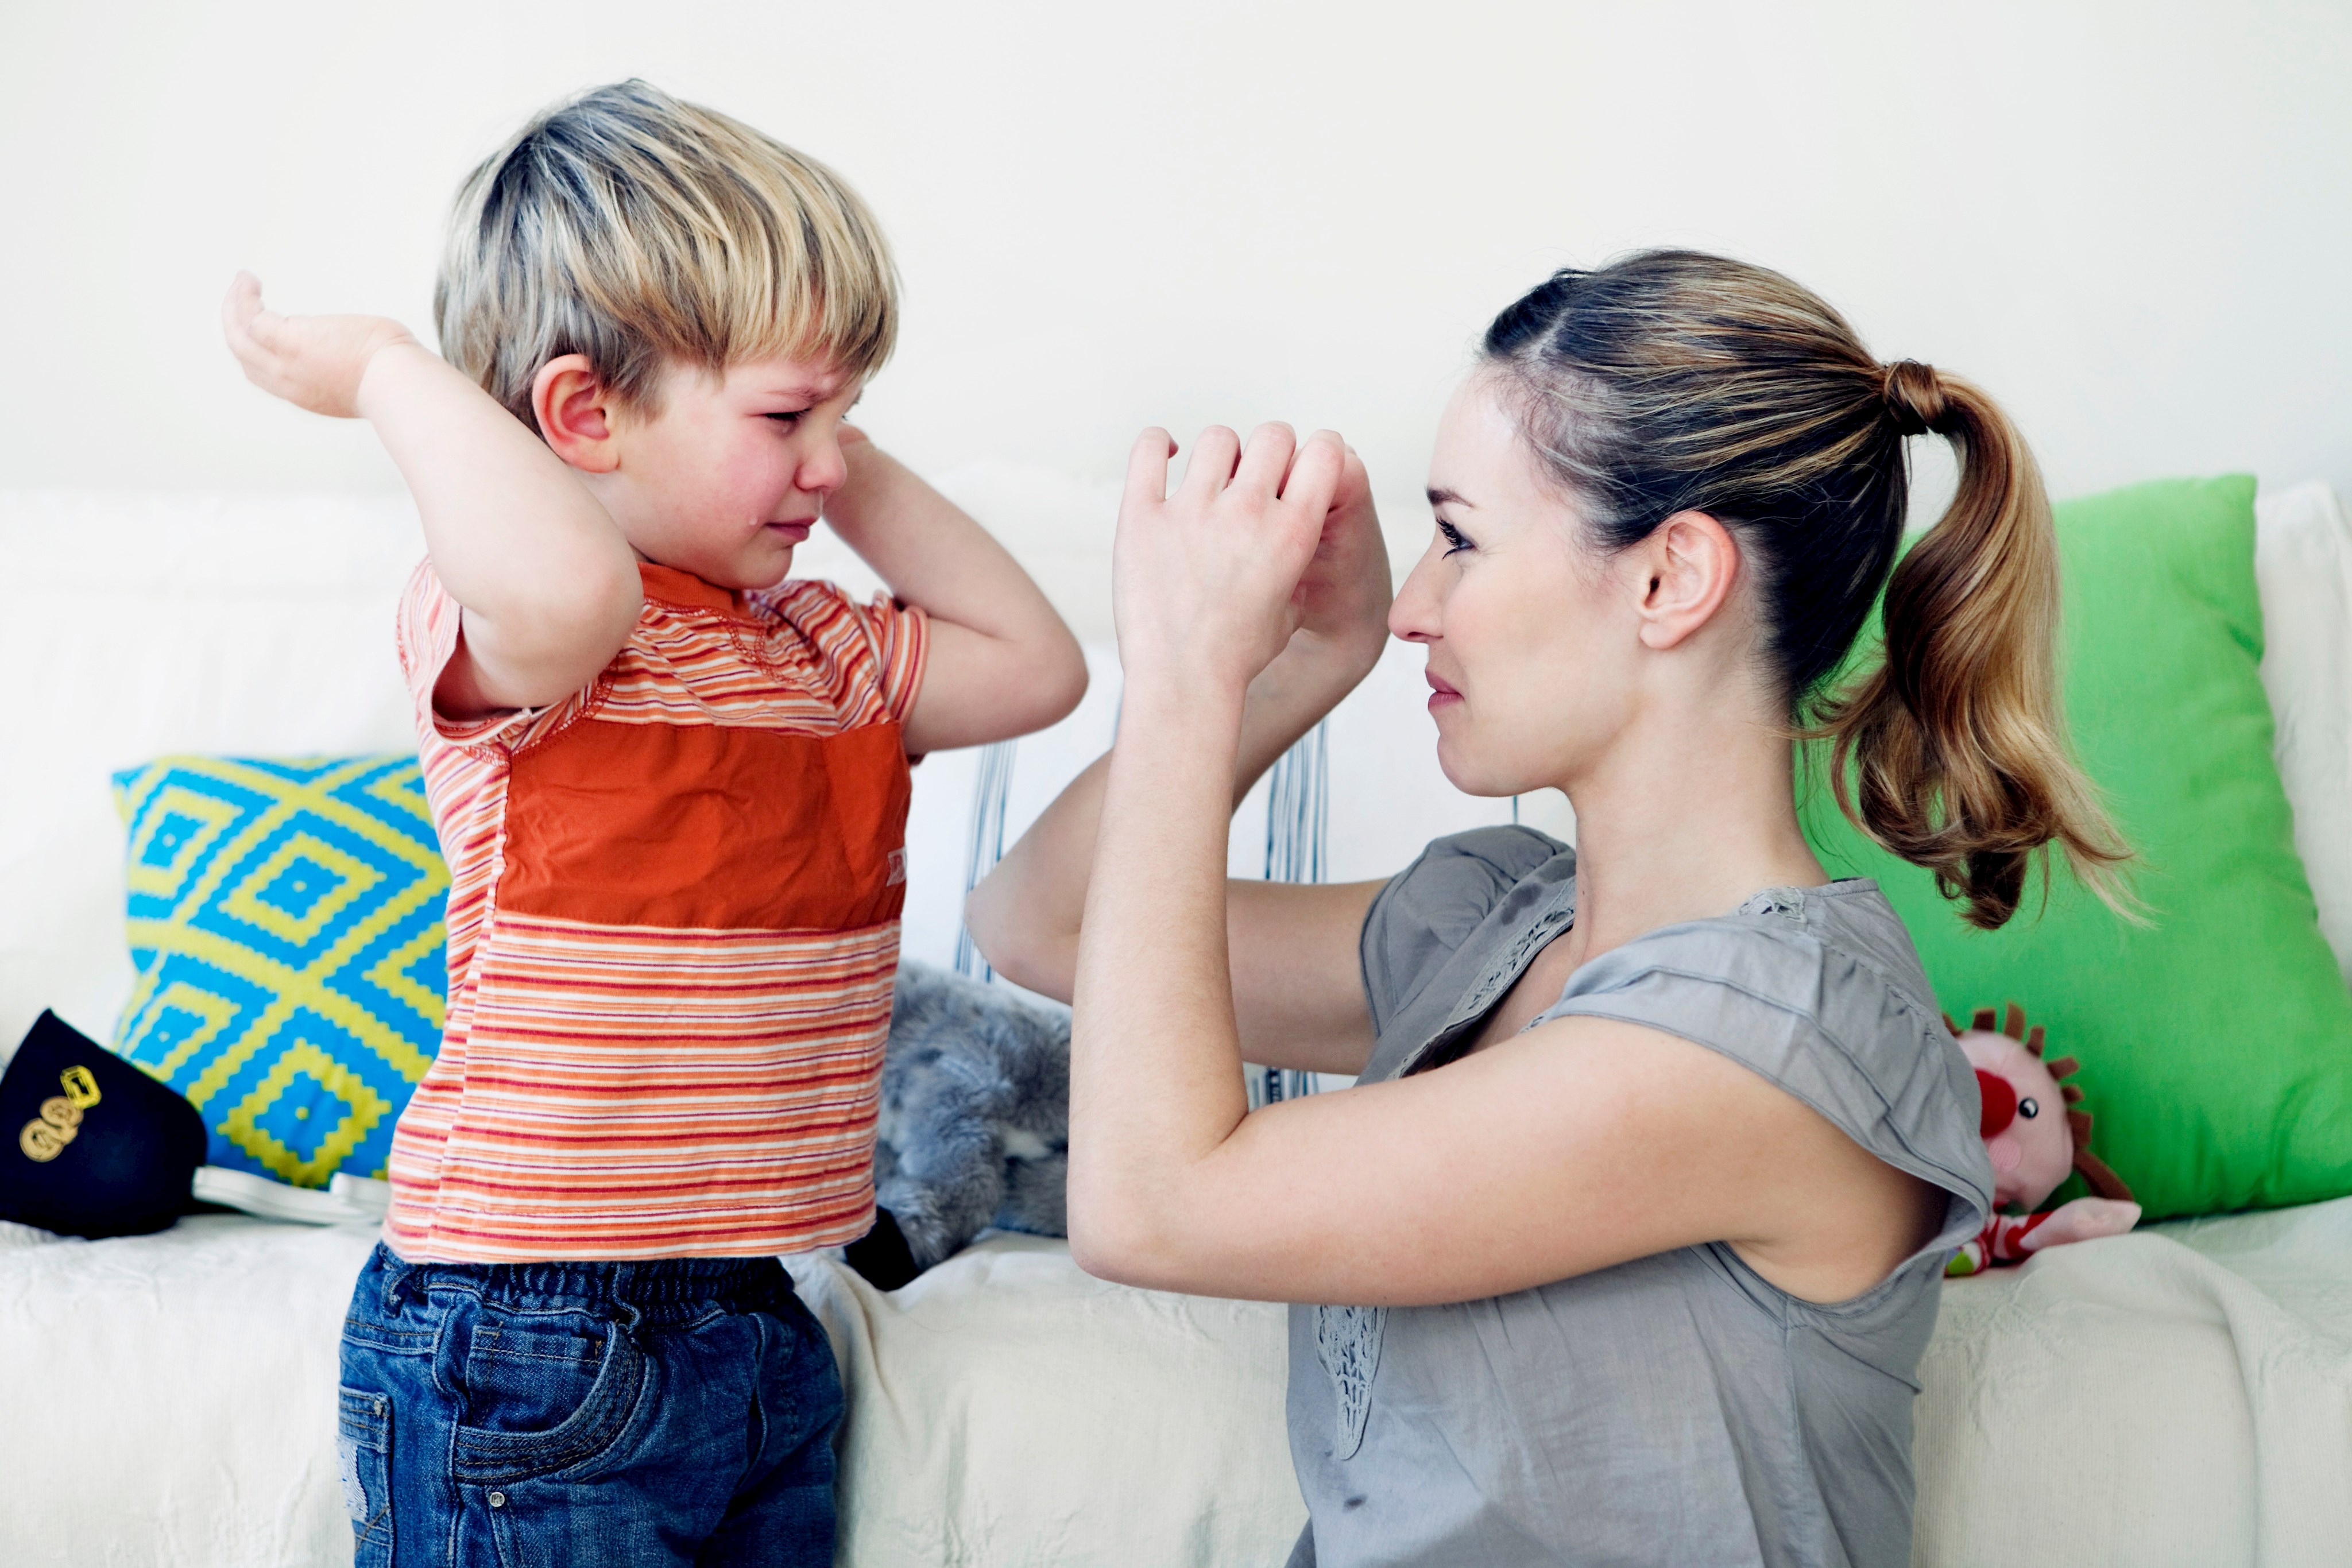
<point>1114,1248</point>
<point>1015,947</point>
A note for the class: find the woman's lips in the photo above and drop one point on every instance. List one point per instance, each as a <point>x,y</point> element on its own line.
<point>1440,693</point>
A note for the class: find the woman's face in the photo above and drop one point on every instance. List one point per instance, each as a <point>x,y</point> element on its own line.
<point>1532,636</point>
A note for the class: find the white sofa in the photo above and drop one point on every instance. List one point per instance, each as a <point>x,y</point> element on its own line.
<point>2182,1396</point>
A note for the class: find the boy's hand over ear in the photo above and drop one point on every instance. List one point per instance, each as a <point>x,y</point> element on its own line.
<point>312,361</point>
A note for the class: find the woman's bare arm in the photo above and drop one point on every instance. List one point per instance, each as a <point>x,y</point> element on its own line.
<point>1583,1143</point>
<point>1296,985</point>
<point>1298,988</point>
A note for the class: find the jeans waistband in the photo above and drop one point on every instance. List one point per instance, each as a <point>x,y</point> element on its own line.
<point>642,1282</point>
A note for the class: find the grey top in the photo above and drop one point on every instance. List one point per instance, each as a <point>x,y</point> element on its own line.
<point>1678,1408</point>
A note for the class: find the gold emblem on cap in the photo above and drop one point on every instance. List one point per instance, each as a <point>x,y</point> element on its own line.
<point>45,1137</point>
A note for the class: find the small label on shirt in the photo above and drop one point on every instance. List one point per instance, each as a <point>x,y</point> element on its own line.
<point>897,868</point>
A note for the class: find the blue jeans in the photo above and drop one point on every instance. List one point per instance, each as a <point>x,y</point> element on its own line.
<point>549,1415</point>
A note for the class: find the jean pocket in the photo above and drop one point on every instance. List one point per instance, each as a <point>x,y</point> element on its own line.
<point>364,1453</point>
<point>544,1397</point>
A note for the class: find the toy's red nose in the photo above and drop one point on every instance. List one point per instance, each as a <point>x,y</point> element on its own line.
<point>2000,1104</point>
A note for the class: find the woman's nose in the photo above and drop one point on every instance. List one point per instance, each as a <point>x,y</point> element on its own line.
<point>1413,613</point>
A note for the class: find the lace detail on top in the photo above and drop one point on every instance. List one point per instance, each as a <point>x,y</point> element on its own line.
<point>1788,902</point>
<point>1347,1343</point>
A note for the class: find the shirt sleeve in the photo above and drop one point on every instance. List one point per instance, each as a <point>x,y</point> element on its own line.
<point>902,644</point>
<point>1430,908</point>
<point>1817,1023</point>
<point>426,633</point>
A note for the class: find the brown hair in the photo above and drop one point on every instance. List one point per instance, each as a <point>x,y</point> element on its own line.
<point>1673,380</point>
<point>640,231</point>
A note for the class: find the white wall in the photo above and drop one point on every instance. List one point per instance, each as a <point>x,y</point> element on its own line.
<point>2132,221</point>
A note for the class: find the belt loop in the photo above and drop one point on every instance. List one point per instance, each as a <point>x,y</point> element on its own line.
<point>396,1275</point>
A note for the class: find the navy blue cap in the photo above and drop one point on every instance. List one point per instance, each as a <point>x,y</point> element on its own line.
<point>90,1145</point>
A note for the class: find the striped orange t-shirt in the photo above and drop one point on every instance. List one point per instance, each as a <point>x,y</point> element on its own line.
<point>672,923</point>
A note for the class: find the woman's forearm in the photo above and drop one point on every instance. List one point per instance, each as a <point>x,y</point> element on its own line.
<point>1026,913</point>
<point>1155,1054</point>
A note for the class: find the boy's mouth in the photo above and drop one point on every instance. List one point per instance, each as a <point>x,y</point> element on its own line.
<point>792,531</point>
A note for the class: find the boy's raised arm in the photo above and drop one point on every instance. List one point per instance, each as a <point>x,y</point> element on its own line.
<point>1002,662</point>
<point>548,585</point>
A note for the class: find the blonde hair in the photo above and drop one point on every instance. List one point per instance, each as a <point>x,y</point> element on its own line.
<point>636,230</point>
<point>1674,381</point>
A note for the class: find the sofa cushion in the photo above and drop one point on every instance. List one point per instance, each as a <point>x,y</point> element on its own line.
<point>286,929</point>
<point>2216,1039</point>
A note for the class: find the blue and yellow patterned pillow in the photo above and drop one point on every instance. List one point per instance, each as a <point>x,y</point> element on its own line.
<point>287,928</point>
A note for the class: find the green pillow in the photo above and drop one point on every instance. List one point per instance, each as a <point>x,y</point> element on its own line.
<point>287,930</point>
<point>2216,1040</point>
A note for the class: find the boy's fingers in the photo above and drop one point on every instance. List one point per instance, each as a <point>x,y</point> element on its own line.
<point>1147,469</point>
<point>1267,458</point>
<point>1211,467</point>
<point>238,306</point>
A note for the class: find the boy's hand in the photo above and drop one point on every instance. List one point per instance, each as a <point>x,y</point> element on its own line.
<point>312,361</point>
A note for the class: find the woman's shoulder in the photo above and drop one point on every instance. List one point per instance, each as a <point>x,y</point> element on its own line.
<point>1819,990</point>
<point>1428,910</point>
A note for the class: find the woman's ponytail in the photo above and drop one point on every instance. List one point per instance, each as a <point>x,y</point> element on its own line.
<point>1952,754</point>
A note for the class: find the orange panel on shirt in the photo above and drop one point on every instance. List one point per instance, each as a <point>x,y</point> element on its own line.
<point>707,826</point>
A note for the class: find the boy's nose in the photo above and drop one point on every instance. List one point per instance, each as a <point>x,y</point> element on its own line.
<point>824,470</point>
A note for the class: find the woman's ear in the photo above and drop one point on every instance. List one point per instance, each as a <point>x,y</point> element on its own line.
<point>574,410</point>
<point>1690,563</point>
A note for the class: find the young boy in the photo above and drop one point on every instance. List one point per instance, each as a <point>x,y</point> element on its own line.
<point>672,789</point>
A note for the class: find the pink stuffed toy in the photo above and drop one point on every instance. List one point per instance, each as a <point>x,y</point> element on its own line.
<point>2036,1138</point>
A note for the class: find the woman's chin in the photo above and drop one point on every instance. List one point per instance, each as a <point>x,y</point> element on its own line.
<point>1464,773</point>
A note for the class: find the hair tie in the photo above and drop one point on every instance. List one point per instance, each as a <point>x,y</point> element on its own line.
<point>1914,396</point>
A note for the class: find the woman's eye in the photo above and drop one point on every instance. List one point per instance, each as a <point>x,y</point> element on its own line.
<point>1453,536</point>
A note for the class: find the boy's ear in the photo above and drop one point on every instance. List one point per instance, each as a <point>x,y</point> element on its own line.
<point>574,410</point>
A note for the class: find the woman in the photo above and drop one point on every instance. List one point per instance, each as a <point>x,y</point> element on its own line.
<point>1626,1245</point>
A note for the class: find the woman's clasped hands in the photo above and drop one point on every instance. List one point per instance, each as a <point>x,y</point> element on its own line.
<point>1265,552</point>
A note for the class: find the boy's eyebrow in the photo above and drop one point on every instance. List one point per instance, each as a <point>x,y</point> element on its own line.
<point>800,392</point>
<point>1439,497</point>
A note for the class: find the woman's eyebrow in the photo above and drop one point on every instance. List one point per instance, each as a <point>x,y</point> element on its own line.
<point>1442,497</point>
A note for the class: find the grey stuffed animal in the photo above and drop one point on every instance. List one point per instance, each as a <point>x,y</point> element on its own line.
<point>975,1123</point>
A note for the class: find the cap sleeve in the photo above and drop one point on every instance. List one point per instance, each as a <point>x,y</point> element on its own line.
<point>1825,1025</point>
<point>901,636</point>
<point>1430,908</point>
<point>426,633</point>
